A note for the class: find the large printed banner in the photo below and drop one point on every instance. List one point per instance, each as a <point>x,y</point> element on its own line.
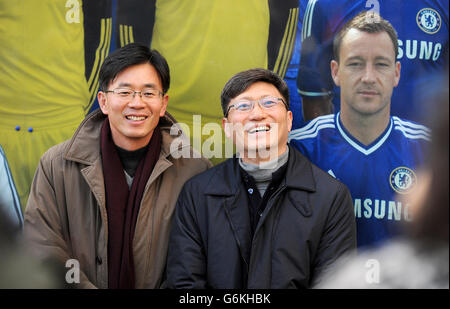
<point>51,52</point>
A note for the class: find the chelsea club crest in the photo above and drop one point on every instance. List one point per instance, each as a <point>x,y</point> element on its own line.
<point>402,179</point>
<point>429,20</point>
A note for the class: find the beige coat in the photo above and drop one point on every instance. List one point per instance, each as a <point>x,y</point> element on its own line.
<point>66,212</point>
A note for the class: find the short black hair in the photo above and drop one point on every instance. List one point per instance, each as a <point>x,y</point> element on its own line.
<point>241,81</point>
<point>129,55</point>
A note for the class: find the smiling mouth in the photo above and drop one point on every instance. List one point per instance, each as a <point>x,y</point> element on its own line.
<point>259,129</point>
<point>136,118</point>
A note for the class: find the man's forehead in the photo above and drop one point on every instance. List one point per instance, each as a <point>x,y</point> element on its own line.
<point>141,75</point>
<point>142,85</point>
<point>361,43</point>
<point>258,90</point>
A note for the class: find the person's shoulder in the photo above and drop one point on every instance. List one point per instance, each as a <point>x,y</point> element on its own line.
<point>194,158</point>
<point>56,152</point>
<point>323,4</point>
<point>335,11</point>
<point>321,177</point>
<point>411,130</point>
<point>313,129</point>
<point>216,180</point>
<point>326,180</point>
<point>212,175</point>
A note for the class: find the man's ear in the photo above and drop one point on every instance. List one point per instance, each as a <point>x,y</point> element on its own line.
<point>102,102</point>
<point>226,127</point>
<point>165,101</point>
<point>334,71</point>
<point>398,68</point>
<point>289,120</point>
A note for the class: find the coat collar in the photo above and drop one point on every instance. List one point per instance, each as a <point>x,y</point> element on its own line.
<point>227,179</point>
<point>299,174</point>
<point>84,147</point>
<point>227,184</point>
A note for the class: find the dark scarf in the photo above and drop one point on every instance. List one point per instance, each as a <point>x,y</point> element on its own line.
<point>122,205</point>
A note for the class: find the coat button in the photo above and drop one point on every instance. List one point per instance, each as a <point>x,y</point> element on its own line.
<point>98,259</point>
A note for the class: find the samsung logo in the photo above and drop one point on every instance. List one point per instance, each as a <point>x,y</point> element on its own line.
<point>413,49</point>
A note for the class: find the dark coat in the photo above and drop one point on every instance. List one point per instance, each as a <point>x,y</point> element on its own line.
<point>307,224</point>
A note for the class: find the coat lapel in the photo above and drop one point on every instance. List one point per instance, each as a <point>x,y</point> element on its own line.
<point>93,174</point>
<point>298,180</point>
<point>227,185</point>
<point>163,162</point>
<point>237,214</point>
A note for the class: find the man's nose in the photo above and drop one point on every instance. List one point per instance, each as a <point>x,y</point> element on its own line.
<point>369,75</point>
<point>136,101</point>
<point>257,112</point>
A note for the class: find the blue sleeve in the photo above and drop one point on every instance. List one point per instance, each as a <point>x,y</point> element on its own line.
<point>301,147</point>
<point>9,199</point>
<point>314,76</point>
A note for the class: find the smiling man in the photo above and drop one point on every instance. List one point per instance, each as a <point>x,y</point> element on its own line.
<point>105,198</point>
<point>373,153</point>
<point>266,218</point>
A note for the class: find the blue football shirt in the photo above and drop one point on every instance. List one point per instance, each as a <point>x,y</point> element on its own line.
<point>376,175</point>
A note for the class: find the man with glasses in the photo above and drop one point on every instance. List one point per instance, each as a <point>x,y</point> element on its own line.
<point>103,201</point>
<point>266,218</point>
